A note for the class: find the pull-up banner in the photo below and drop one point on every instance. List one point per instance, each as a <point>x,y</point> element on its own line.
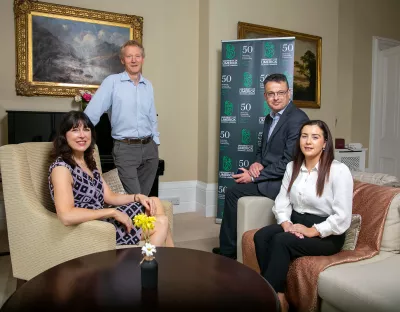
<point>245,64</point>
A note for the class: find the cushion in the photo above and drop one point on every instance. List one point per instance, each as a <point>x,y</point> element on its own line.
<point>391,231</point>
<point>352,233</point>
<point>370,285</point>
<point>114,183</point>
<point>375,178</point>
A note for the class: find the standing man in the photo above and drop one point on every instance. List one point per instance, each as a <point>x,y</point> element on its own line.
<point>264,177</point>
<point>128,97</point>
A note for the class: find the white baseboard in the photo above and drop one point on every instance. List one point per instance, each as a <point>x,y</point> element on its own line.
<point>195,196</point>
<point>206,198</point>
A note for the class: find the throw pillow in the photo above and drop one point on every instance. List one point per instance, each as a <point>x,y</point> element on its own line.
<point>352,233</point>
<point>114,183</point>
<point>375,178</point>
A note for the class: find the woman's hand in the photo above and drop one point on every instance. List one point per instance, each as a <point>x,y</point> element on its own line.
<point>287,226</point>
<point>148,203</point>
<point>304,231</point>
<point>124,219</point>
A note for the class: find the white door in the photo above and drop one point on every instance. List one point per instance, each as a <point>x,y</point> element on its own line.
<point>385,112</point>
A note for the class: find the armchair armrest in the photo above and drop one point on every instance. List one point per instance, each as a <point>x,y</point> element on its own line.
<point>37,247</point>
<point>253,212</point>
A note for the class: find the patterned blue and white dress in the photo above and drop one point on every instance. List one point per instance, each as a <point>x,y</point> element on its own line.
<point>89,193</point>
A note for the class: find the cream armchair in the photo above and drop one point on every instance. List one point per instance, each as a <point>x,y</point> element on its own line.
<point>253,212</point>
<point>37,239</point>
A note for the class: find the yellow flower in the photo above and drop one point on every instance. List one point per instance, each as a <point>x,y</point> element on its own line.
<point>139,220</point>
<point>144,222</point>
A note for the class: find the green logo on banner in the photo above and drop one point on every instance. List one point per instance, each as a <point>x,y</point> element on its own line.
<point>247,79</point>
<point>289,77</point>
<point>246,136</point>
<point>269,49</point>
<point>226,163</point>
<point>267,110</point>
<point>230,51</point>
<point>228,108</point>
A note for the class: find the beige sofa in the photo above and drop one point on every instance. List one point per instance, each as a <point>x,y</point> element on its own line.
<point>368,285</point>
<point>37,239</point>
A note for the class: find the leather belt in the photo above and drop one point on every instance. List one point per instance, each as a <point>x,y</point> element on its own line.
<point>137,141</point>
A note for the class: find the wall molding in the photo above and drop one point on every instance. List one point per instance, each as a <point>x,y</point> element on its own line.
<point>206,198</point>
<point>195,196</point>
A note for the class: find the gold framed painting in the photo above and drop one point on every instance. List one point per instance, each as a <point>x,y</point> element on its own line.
<point>307,61</point>
<point>61,49</point>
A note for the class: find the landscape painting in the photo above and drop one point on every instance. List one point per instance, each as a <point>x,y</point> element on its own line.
<point>307,61</point>
<point>62,49</point>
<point>75,52</point>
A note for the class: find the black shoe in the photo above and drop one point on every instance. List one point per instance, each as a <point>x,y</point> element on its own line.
<point>217,251</point>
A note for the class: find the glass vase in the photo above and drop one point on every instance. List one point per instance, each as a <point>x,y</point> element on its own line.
<point>149,273</point>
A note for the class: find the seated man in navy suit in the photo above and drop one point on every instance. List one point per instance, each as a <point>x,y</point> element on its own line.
<point>264,177</point>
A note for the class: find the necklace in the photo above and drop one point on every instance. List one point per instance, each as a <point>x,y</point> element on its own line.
<point>84,166</point>
<point>81,163</point>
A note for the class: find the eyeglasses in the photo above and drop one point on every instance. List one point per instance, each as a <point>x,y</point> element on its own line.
<point>279,94</point>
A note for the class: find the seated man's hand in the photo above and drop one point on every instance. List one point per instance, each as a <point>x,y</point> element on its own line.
<point>255,169</point>
<point>242,177</point>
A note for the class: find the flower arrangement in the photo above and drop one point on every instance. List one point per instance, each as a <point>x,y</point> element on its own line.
<point>148,265</point>
<point>146,223</point>
<point>84,97</point>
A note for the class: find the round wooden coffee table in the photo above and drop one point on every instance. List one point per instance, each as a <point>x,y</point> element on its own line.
<point>188,280</point>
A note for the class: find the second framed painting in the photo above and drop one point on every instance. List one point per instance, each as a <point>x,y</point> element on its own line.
<point>61,49</point>
<point>307,64</point>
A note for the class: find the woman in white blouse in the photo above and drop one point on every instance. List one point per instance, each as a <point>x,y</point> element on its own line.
<point>313,208</point>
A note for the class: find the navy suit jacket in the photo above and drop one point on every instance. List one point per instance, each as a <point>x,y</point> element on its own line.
<point>275,154</point>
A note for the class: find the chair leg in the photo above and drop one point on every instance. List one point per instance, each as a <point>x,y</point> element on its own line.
<point>20,282</point>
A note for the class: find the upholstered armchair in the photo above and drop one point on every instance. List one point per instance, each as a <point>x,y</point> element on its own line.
<point>253,212</point>
<point>37,239</point>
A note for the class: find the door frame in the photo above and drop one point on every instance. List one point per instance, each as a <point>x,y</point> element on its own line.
<point>378,44</point>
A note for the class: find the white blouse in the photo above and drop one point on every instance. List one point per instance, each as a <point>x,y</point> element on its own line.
<point>335,203</point>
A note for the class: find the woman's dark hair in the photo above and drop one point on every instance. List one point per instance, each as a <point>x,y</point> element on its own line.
<point>325,161</point>
<point>73,119</point>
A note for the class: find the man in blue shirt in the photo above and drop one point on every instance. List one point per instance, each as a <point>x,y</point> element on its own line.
<point>129,100</point>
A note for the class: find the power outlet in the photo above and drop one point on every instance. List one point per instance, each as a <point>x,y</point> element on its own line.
<point>173,200</point>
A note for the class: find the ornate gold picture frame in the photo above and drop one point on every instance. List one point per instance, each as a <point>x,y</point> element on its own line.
<point>307,65</point>
<point>61,49</point>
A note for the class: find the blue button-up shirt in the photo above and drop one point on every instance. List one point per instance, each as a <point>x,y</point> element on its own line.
<point>275,118</point>
<point>130,107</point>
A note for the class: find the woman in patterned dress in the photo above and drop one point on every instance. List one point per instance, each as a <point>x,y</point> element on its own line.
<point>79,192</point>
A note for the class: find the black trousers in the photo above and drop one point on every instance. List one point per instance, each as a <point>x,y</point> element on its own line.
<point>228,231</point>
<point>275,249</point>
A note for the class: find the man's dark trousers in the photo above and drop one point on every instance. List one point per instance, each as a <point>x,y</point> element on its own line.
<point>228,231</point>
